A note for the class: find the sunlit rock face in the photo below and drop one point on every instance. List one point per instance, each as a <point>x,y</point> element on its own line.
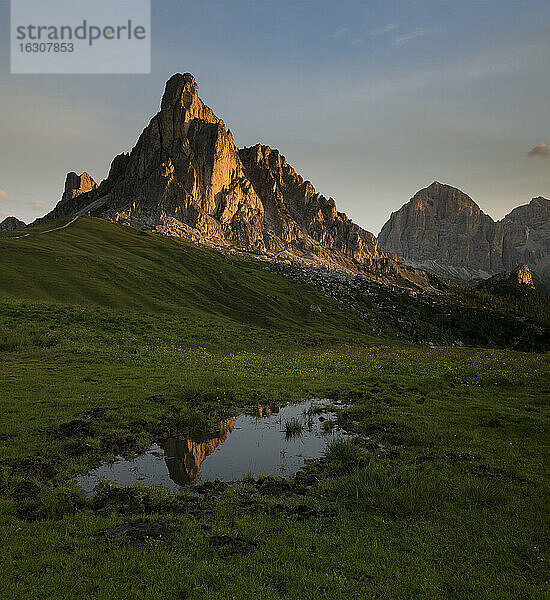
<point>300,219</point>
<point>527,232</point>
<point>185,456</point>
<point>516,277</point>
<point>443,230</point>
<point>75,185</point>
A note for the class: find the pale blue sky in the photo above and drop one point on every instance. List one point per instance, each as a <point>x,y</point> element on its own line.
<point>371,101</point>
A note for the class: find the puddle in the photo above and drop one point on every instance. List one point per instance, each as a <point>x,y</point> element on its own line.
<point>270,442</point>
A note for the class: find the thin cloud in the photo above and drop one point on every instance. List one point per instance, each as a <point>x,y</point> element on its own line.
<point>412,35</point>
<point>385,29</point>
<point>343,33</point>
<point>5,197</point>
<point>541,149</point>
<point>39,205</point>
<point>340,32</point>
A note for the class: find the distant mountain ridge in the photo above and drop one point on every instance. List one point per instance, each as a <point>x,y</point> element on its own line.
<point>444,231</point>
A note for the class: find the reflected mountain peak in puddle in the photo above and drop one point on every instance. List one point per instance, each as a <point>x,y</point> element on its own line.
<point>249,444</point>
<point>262,411</point>
<point>184,456</point>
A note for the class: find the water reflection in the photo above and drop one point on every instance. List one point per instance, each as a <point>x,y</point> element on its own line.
<point>184,456</point>
<point>250,444</point>
<point>262,411</point>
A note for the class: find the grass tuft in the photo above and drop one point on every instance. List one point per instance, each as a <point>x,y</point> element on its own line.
<point>293,428</point>
<point>344,455</point>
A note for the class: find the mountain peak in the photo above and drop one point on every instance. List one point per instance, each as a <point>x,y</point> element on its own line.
<point>75,185</point>
<point>186,177</point>
<point>11,224</point>
<point>441,229</point>
<point>443,199</point>
<point>180,105</point>
<point>540,201</point>
<point>180,89</point>
<point>442,223</point>
<point>79,183</point>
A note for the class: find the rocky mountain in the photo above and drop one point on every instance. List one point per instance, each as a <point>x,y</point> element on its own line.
<point>444,231</point>
<point>186,177</point>
<point>515,288</point>
<point>71,203</point>
<point>11,224</point>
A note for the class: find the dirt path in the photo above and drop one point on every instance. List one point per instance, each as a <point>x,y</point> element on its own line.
<point>62,227</point>
<point>18,237</point>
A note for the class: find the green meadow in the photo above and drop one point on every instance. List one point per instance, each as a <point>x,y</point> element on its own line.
<point>97,319</point>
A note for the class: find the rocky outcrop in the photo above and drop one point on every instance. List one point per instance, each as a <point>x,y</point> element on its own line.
<point>183,177</point>
<point>186,177</point>
<point>12,224</point>
<point>444,231</point>
<point>527,236</point>
<point>522,276</point>
<point>76,187</point>
<point>517,277</point>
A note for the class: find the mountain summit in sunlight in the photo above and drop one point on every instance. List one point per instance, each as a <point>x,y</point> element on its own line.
<point>185,177</point>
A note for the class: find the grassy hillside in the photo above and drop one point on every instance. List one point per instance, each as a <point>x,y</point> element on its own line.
<point>97,263</point>
<point>454,508</point>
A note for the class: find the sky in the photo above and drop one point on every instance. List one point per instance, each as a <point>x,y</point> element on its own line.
<point>371,101</point>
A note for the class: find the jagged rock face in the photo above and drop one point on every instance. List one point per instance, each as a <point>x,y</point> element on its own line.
<point>186,177</point>
<point>76,185</point>
<point>299,218</point>
<point>442,223</point>
<point>443,230</point>
<point>12,224</point>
